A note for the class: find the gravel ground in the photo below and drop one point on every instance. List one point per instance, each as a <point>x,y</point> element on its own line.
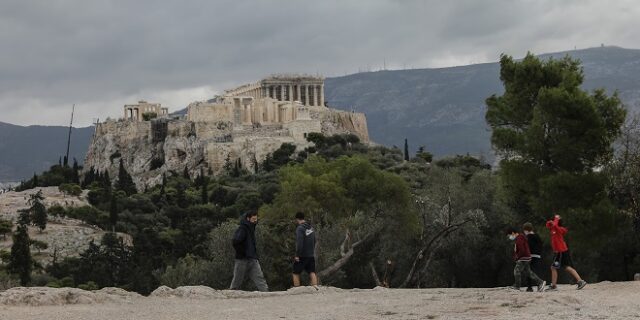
<point>597,301</point>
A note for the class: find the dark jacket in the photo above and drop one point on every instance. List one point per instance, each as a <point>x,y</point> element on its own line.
<point>244,240</point>
<point>305,240</point>
<point>521,251</point>
<point>535,245</point>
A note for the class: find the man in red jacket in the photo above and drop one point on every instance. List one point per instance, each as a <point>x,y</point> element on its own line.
<point>562,258</point>
<point>522,257</point>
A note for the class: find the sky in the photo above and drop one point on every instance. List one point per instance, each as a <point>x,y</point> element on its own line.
<point>100,55</point>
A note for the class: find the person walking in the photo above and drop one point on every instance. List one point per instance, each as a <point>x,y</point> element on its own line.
<point>246,259</point>
<point>522,257</point>
<point>562,256</point>
<point>535,247</point>
<point>304,259</point>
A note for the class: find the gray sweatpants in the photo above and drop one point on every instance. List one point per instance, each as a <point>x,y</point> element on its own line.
<point>251,267</point>
<point>524,269</point>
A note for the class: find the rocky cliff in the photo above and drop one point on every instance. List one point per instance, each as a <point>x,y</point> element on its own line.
<point>150,148</point>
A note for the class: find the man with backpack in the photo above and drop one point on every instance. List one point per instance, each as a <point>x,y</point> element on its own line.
<point>305,251</point>
<point>246,262</point>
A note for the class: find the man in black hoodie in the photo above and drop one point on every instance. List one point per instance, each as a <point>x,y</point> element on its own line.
<point>535,247</point>
<point>305,255</point>
<point>246,262</point>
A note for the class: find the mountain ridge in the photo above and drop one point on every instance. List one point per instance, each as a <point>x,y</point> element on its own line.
<point>440,108</point>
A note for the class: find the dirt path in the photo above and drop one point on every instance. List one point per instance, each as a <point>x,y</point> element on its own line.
<point>596,301</point>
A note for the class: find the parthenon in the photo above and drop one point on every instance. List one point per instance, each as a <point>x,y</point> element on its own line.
<point>307,90</point>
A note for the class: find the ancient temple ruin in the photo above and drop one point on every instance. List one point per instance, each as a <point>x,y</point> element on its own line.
<point>244,124</point>
<point>136,112</point>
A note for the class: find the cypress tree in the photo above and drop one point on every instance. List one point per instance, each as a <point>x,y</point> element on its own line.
<point>204,192</point>
<point>20,261</point>
<point>35,180</point>
<point>113,212</point>
<point>125,182</point>
<point>164,184</point>
<point>75,177</point>
<point>185,173</point>
<point>37,210</point>
<point>406,150</point>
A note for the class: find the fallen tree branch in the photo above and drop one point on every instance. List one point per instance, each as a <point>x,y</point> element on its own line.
<point>345,258</point>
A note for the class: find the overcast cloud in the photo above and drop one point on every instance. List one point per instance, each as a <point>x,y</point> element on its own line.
<point>100,55</point>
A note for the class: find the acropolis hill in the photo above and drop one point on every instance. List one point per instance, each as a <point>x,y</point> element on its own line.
<point>246,123</point>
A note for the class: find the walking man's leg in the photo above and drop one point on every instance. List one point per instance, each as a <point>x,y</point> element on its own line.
<point>314,279</point>
<point>239,272</point>
<point>256,275</point>
<point>517,274</point>
<point>532,276</point>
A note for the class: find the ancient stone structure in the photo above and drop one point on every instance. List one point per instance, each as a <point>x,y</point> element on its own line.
<point>306,90</point>
<point>246,123</point>
<point>135,112</point>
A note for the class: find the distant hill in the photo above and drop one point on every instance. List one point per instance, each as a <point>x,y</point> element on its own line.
<point>442,109</point>
<point>25,150</point>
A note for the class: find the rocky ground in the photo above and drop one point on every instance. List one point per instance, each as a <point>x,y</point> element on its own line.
<point>67,237</point>
<point>597,301</point>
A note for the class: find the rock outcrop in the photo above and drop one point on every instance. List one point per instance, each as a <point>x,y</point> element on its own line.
<point>149,149</point>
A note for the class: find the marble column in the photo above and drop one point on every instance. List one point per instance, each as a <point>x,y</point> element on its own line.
<point>322,95</point>
<point>315,95</point>
<point>306,95</point>
<point>298,93</point>
<point>290,92</point>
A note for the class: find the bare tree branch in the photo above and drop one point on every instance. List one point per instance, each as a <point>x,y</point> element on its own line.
<point>345,258</point>
<point>374,273</point>
<point>436,238</point>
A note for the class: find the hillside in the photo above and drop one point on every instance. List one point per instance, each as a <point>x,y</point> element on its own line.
<point>32,149</point>
<point>442,109</point>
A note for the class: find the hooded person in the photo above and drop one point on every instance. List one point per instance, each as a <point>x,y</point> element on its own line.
<point>246,258</point>
<point>304,259</point>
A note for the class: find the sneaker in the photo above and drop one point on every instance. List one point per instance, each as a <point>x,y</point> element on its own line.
<point>552,288</point>
<point>529,289</point>
<point>542,286</point>
<point>581,284</point>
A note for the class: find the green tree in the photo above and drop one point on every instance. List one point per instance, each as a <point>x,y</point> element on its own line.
<point>125,182</point>
<point>5,227</point>
<point>113,212</point>
<point>552,138</point>
<point>21,262</point>
<point>37,210</point>
<point>406,150</point>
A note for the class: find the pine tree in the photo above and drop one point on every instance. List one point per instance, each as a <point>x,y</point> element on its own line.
<point>551,137</point>
<point>125,182</point>
<point>37,210</point>
<point>20,261</point>
<point>34,181</point>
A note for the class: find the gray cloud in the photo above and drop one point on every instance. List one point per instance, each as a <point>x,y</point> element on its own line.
<point>101,54</point>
